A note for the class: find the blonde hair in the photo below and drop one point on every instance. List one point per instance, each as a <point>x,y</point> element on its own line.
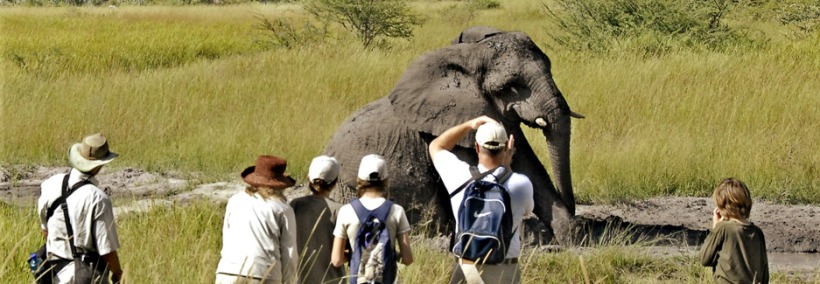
<point>363,186</point>
<point>267,192</point>
<point>732,197</point>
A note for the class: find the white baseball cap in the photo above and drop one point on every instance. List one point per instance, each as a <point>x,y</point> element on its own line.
<point>372,168</point>
<point>491,136</point>
<point>325,168</point>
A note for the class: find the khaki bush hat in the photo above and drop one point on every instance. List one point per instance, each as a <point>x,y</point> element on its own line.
<point>91,153</point>
<point>269,171</point>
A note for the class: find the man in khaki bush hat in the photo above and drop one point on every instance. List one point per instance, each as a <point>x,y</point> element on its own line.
<point>91,236</point>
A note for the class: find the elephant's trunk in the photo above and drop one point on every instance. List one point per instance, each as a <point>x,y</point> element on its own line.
<point>558,137</point>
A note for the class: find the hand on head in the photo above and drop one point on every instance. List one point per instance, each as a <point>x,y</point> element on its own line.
<point>478,121</point>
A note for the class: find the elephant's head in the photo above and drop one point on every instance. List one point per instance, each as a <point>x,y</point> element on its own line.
<point>503,75</point>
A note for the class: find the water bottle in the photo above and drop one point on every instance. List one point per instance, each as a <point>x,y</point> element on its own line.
<point>34,262</point>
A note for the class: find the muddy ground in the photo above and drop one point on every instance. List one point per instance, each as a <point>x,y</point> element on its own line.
<point>670,225</point>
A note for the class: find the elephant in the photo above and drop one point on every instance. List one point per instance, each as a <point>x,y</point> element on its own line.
<point>486,71</point>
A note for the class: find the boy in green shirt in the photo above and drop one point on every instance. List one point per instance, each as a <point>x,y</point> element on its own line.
<point>736,248</point>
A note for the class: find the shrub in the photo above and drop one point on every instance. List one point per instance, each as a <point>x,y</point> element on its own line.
<point>284,34</point>
<point>368,19</point>
<point>484,4</point>
<point>803,17</point>
<point>647,26</point>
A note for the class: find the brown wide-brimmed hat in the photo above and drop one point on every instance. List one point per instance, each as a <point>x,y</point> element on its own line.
<point>269,171</point>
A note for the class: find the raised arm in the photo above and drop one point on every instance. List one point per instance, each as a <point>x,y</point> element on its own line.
<point>450,137</point>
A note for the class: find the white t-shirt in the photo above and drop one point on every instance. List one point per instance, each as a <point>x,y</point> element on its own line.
<point>347,223</point>
<point>90,212</point>
<point>455,172</point>
<point>259,239</point>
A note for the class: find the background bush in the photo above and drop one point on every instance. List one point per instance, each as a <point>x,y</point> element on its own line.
<point>645,26</point>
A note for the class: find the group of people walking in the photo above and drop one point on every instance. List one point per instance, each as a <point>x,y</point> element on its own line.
<point>269,239</point>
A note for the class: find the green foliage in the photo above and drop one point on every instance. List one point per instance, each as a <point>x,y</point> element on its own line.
<point>644,26</point>
<point>369,20</point>
<point>484,4</point>
<point>282,33</point>
<point>803,17</point>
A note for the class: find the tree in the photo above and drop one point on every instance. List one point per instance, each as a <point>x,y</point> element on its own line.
<point>368,19</point>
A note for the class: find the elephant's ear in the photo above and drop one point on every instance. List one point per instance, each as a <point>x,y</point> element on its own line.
<point>475,34</point>
<point>440,90</point>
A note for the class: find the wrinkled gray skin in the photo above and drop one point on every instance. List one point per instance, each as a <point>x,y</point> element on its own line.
<point>503,75</point>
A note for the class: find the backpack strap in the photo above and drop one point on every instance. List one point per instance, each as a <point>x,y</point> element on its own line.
<point>477,176</point>
<point>65,194</point>
<point>504,176</point>
<point>61,201</point>
<point>380,213</point>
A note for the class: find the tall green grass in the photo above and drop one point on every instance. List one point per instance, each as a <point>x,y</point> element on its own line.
<point>189,89</point>
<point>181,244</point>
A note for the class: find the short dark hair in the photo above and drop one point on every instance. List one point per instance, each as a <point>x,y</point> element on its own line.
<point>492,152</point>
<point>319,185</point>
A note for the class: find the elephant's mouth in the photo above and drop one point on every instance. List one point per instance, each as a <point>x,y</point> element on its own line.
<point>517,109</point>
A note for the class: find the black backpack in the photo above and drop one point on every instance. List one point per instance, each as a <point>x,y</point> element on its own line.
<point>373,257</point>
<point>484,218</point>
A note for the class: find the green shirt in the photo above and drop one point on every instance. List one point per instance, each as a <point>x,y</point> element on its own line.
<point>737,252</point>
<point>315,221</point>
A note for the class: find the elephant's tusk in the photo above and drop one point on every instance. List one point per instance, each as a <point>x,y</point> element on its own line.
<point>541,122</point>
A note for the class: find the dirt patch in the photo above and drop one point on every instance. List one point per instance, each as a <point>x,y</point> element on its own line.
<point>676,225</point>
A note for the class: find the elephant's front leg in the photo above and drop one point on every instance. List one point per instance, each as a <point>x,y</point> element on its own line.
<point>549,207</point>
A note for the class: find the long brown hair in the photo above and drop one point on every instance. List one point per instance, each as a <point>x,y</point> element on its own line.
<point>267,192</point>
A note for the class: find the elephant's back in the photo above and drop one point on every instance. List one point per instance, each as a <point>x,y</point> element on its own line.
<point>374,129</point>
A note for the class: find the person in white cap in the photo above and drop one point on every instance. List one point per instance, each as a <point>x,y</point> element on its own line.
<point>372,189</point>
<point>92,235</point>
<point>315,221</point>
<point>495,151</point>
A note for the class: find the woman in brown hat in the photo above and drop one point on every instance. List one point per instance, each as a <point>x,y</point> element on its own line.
<point>259,231</point>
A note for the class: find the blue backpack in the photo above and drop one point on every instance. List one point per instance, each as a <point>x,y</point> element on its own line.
<point>373,259</point>
<point>484,218</point>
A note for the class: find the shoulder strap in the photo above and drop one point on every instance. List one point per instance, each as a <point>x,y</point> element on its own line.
<point>473,171</point>
<point>504,176</point>
<point>65,194</point>
<point>61,201</point>
<point>380,213</point>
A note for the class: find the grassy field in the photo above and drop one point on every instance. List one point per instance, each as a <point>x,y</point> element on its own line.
<point>195,89</point>
<point>188,252</point>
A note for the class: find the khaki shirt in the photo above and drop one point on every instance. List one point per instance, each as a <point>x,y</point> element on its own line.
<point>259,239</point>
<point>737,252</point>
<point>90,212</point>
